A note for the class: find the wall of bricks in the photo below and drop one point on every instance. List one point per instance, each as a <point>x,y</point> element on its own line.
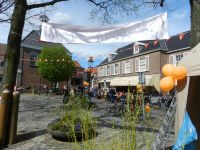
<point>30,74</point>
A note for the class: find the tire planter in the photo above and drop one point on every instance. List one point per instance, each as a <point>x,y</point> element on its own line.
<point>64,135</point>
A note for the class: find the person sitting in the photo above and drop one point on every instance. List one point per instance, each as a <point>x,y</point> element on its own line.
<point>123,97</point>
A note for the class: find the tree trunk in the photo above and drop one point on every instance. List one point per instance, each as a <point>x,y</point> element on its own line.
<point>55,87</point>
<point>195,23</point>
<point>11,58</point>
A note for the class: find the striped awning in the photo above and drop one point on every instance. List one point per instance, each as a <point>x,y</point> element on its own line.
<point>151,80</point>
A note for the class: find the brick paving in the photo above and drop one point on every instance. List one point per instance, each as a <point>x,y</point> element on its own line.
<point>34,117</point>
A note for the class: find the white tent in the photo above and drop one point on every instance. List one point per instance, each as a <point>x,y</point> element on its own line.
<point>188,92</point>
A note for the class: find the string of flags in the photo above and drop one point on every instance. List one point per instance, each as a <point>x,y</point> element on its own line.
<point>99,56</point>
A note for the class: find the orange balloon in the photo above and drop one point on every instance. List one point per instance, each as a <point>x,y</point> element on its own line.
<point>167,70</point>
<point>147,107</point>
<point>144,87</point>
<point>140,91</point>
<point>85,83</point>
<point>148,110</point>
<point>167,83</point>
<point>179,72</point>
<point>138,87</point>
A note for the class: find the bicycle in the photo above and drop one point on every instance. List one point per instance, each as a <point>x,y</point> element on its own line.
<point>122,109</point>
<point>112,109</point>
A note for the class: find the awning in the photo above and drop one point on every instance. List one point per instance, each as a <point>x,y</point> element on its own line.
<point>151,80</point>
<point>106,80</point>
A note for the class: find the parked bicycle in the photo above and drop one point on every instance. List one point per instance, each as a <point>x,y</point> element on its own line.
<point>112,109</point>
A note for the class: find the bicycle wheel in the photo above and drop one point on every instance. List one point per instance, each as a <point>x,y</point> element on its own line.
<point>118,111</point>
<point>112,109</point>
<point>108,108</point>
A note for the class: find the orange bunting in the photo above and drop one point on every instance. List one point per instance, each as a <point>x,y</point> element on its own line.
<point>99,55</point>
<point>52,60</point>
<point>1,57</point>
<point>28,59</point>
<point>146,45</point>
<point>137,47</point>
<point>121,50</point>
<point>40,60</point>
<point>58,60</point>
<point>78,59</point>
<point>131,48</point>
<point>45,59</point>
<point>34,59</point>
<point>155,42</point>
<point>63,59</point>
<point>168,39</point>
<point>181,36</point>
<point>68,61</point>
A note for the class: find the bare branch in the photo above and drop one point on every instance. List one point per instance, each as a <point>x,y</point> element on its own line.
<point>44,4</point>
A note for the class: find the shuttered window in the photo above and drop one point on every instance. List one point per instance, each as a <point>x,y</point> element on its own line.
<point>171,60</point>
<point>137,65</point>
<point>147,63</point>
<point>98,71</point>
<point>116,69</point>
<point>113,69</point>
<point>119,68</point>
<point>105,71</point>
<point>142,65</point>
<point>123,67</point>
<point>127,66</point>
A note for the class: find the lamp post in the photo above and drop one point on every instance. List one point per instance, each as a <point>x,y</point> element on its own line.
<point>90,66</point>
<point>143,83</point>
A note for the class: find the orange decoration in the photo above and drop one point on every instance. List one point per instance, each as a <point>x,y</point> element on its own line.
<point>140,91</point>
<point>179,72</point>
<point>148,110</point>
<point>181,36</point>
<point>138,87</point>
<point>68,61</point>
<point>155,42</point>
<point>147,107</point>
<point>40,60</point>
<point>63,59</point>
<point>45,59</point>
<point>146,45</point>
<point>85,83</point>
<point>167,70</point>
<point>52,60</point>
<point>167,83</point>
<point>137,47</point>
<point>34,59</point>
<point>58,60</point>
<point>144,87</point>
<point>168,39</point>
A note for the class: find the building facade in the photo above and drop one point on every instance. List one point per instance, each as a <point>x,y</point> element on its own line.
<point>77,78</point>
<point>121,68</point>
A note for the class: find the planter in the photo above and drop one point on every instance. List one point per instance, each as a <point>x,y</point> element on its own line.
<point>64,135</point>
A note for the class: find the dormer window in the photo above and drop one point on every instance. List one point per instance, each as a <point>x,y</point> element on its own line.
<point>136,48</point>
<point>112,56</point>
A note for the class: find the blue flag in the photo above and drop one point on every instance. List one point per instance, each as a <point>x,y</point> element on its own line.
<point>186,136</point>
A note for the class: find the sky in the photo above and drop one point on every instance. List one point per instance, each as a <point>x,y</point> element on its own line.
<point>77,13</point>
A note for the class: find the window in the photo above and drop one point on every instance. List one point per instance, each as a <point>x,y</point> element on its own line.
<point>94,75</point>
<point>127,67</point>
<point>174,59</point>
<point>101,71</point>
<point>33,58</point>
<point>75,73</point>
<point>116,69</point>
<point>1,76</point>
<point>80,73</point>
<point>142,65</point>
<point>1,62</point>
<point>108,70</point>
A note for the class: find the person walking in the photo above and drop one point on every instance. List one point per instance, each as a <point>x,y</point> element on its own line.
<point>112,93</point>
<point>65,91</point>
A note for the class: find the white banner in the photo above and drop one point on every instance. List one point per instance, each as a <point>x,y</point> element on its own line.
<point>154,28</point>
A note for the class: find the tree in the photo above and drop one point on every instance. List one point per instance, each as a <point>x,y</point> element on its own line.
<point>104,11</point>
<point>57,70</point>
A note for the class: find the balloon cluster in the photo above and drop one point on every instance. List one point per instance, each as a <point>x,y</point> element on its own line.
<point>86,84</point>
<point>148,109</point>
<point>140,88</point>
<point>171,72</point>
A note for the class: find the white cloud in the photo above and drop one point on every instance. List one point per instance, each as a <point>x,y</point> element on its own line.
<point>61,18</point>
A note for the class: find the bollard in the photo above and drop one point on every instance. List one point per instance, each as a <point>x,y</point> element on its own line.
<point>13,117</point>
<point>4,113</point>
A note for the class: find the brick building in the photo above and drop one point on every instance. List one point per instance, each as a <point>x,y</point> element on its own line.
<point>27,73</point>
<point>77,78</point>
<point>121,68</point>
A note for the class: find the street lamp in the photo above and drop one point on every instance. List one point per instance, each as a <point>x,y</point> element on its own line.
<point>90,66</point>
<point>142,83</point>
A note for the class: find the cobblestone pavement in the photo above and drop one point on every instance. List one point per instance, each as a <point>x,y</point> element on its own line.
<point>34,117</point>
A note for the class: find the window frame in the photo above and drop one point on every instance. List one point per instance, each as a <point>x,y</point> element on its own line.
<point>127,66</point>
<point>33,63</point>
<point>1,62</point>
